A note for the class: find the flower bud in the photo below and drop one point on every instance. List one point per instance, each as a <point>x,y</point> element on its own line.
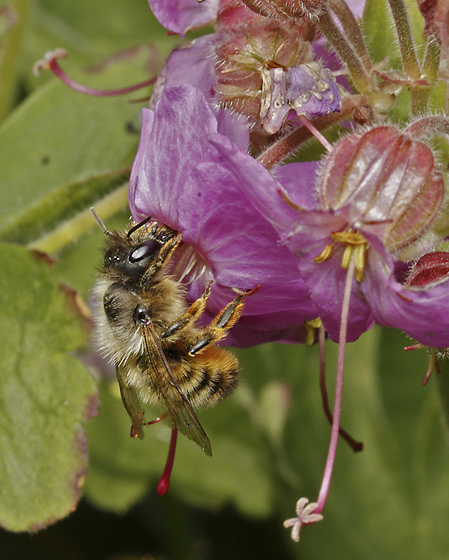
<point>385,182</point>
<point>430,268</point>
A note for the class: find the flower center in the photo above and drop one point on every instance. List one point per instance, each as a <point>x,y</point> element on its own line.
<point>356,247</point>
<point>189,265</point>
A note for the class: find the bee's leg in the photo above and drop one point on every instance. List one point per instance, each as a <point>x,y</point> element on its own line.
<point>222,322</point>
<point>165,254</point>
<point>191,315</point>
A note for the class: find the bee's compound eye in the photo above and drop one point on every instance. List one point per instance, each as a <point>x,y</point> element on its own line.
<point>143,251</point>
<point>141,315</point>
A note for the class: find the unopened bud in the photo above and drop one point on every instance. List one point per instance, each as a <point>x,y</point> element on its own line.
<point>430,268</point>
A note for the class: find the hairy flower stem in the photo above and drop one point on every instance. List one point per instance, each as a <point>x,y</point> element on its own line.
<point>348,53</point>
<point>289,144</point>
<point>325,483</point>
<point>431,62</point>
<point>410,62</point>
<point>355,445</point>
<point>164,482</point>
<point>352,30</point>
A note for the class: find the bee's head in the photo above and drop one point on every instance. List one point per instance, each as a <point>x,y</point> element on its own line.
<point>131,253</point>
<point>130,257</point>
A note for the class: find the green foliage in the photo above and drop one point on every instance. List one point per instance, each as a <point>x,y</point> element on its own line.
<point>45,396</point>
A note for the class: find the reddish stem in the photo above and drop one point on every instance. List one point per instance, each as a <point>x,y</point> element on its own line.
<point>164,482</point>
<point>49,62</point>
<point>355,445</point>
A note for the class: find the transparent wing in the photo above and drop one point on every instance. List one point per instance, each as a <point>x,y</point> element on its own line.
<point>132,405</point>
<point>179,408</point>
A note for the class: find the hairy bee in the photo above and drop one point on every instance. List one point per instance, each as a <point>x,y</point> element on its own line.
<point>145,326</point>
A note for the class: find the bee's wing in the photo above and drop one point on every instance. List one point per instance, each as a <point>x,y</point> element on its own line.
<point>179,408</point>
<point>132,405</point>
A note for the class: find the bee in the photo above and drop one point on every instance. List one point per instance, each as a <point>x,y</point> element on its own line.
<point>148,330</point>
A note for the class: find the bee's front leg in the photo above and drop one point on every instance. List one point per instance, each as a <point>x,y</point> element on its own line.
<point>219,326</point>
<point>191,315</point>
<point>165,254</point>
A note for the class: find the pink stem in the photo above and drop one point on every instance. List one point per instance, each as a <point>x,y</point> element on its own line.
<point>315,132</point>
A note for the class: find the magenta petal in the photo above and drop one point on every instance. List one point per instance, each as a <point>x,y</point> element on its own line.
<point>423,313</point>
<point>258,184</point>
<point>298,179</point>
<point>226,230</point>
<point>180,16</point>
<point>171,145</point>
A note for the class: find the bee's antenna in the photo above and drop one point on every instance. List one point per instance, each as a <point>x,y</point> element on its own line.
<point>137,226</point>
<point>98,220</point>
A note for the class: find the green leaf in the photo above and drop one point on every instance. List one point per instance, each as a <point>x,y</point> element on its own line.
<point>380,33</point>
<point>45,396</point>
<point>73,153</point>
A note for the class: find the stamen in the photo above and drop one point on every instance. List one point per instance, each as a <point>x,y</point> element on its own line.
<point>359,260</point>
<point>311,328</point>
<point>324,490</point>
<point>190,265</point>
<point>347,257</point>
<point>49,62</point>
<point>356,246</point>
<point>164,482</point>
<point>326,254</point>
<point>311,513</point>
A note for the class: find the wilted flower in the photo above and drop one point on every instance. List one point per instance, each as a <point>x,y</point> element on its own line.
<point>265,70</point>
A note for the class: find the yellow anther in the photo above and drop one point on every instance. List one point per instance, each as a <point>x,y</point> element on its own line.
<point>360,259</point>
<point>311,327</point>
<point>326,254</point>
<point>347,256</point>
<point>349,237</point>
<point>356,247</point>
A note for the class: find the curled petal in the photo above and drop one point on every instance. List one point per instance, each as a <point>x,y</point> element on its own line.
<point>307,89</point>
<point>193,65</point>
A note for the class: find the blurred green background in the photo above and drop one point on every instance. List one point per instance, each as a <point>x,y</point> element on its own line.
<point>60,153</point>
